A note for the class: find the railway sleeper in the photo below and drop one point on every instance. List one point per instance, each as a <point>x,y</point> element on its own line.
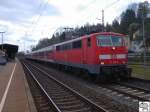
<point>73,107</point>
<point>70,103</point>
<point>63,97</point>
<point>64,100</point>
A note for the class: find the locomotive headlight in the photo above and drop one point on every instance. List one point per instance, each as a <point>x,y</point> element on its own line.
<point>105,56</point>
<point>113,48</point>
<point>102,63</point>
<point>121,56</point>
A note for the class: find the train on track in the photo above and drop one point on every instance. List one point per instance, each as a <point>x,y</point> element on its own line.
<point>103,55</point>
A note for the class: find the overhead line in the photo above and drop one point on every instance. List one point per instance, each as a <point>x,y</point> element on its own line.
<point>41,13</point>
<point>34,22</point>
<point>111,4</point>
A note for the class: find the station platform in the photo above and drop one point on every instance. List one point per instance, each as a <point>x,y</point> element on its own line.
<point>15,94</point>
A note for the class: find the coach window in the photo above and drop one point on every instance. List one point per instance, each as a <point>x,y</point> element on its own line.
<point>77,44</point>
<point>89,42</point>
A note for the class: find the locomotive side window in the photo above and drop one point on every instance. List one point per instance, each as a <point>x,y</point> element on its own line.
<point>57,48</point>
<point>77,44</point>
<point>89,42</point>
<point>67,46</point>
<point>109,41</point>
<point>64,47</point>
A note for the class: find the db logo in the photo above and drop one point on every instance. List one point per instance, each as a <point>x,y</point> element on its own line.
<point>144,106</point>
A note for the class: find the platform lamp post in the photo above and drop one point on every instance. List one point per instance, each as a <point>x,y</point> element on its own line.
<point>2,39</point>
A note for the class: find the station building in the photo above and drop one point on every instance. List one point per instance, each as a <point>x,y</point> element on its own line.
<point>10,50</point>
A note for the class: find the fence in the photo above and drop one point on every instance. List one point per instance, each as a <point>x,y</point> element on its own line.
<point>138,59</point>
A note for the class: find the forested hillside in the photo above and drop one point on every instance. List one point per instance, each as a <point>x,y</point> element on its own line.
<point>129,23</point>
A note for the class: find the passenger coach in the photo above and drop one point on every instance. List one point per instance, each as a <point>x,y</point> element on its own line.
<point>103,55</point>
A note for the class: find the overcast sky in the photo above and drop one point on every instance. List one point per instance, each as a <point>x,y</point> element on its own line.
<point>27,21</point>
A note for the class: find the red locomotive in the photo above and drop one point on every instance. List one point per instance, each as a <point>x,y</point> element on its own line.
<point>102,54</point>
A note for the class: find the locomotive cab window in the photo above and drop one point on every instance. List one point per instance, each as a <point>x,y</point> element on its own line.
<point>89,42</point>
<point>117,41</point>
<point>109,41</point>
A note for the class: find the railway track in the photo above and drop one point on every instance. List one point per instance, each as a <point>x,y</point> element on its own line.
<point>42,101</point>
<point>141,83</point>
<point>130,91</point>
<point>134,86</point>
<point>91,93</point>
<point>59,96</point>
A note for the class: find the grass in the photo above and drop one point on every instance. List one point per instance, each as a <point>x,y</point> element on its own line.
<point>141,71</point>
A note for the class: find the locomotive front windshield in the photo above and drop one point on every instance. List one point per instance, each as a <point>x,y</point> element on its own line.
<point>109,41</point>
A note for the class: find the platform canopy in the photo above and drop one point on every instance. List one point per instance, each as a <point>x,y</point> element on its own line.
<point>9,49</point>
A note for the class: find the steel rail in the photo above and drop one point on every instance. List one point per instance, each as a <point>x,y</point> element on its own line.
<point>134,87</point>
<point>126,93</point>
<point>89,102</point>
<point>55,107</point>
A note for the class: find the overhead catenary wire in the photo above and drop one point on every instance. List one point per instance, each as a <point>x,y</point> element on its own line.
<point>41,7</point>
<point>35,20</point>
<point>111,4</point>
<point>103,12</point>
<point>105,8</point>
<point>40,15</point>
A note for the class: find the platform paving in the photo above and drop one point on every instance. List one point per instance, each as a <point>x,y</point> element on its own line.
<point>18,97</point>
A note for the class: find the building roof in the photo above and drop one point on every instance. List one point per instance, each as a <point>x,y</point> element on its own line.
<point>9,47</point>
